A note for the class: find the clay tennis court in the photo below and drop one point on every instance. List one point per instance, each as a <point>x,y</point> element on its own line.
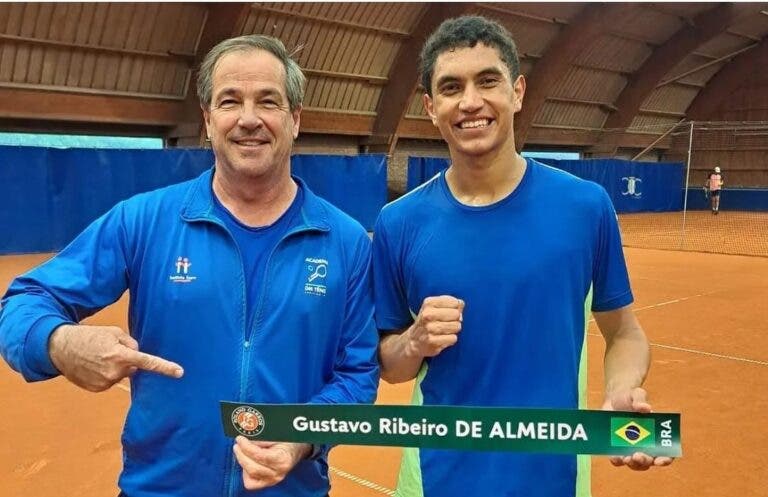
<point>704,313</point>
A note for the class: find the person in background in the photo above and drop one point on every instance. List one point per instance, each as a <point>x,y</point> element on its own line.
<point>485,277</point>
<point>715,186</point>
<point>244,286</point>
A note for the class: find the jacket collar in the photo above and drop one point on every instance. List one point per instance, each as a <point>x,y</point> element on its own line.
<point>198,204</point>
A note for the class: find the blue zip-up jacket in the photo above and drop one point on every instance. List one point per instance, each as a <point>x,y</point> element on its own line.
<point>313,339</point>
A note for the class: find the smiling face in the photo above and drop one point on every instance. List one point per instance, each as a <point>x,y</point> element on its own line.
<point>249,121</point>
<point>474,101</point>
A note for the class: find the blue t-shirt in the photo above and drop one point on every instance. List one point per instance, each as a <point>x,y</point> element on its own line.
<point>256,245</point>
<point>529,268</point>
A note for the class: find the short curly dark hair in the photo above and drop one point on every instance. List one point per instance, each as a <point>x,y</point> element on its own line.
<point>466,32</point>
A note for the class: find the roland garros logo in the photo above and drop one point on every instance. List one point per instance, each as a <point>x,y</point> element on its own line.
<point>247,421</point>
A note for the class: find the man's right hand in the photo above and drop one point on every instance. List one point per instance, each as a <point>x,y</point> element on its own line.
<point>436,327</point>
<point>97,357</point>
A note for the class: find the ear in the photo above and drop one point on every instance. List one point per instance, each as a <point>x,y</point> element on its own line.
<point>207,120</point>
<point>296,114</point>
<point>429,106</point>
<point>519,90</point>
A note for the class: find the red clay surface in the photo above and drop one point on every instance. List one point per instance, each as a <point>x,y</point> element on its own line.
<point>705,314</point>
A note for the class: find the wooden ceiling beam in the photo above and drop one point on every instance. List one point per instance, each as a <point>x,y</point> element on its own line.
<point>581,65</point>
<point>188,58</point>
<point>707,64</point>
<point>333,22</point>
<point>611,70</point>
<point>336,123</point>
<point>742,35</point>
<point>81,128</point>
<point>588,25</point>
<point>560,136</point>
<point>17,103</point>
<point>367,78</point>
<point>222,21</point>
<point>725,82</point>
<point>419,128</point>
<point>632,37</point>
<point>690,84</point>
<point>607,106</point>
<point>404,78</point>
<point>663,9</point>
<point>661,113</point>
<point>87,91</point>
<point>666,57</point>
<point>522,15</point>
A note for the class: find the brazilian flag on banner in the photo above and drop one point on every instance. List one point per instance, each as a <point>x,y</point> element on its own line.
<point>631,432</point>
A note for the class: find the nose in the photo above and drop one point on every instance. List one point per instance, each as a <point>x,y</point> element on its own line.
<point>471,99</point>
<point>249,116</point>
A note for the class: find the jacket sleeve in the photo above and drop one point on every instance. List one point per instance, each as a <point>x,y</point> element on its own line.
<point>89,274</point>
<point>356,372</point>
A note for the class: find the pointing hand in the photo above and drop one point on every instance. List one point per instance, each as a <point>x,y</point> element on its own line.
<point>97,357</point>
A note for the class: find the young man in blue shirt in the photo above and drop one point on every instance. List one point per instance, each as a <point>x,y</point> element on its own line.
<point>244,278</point>
<point>485,277</point>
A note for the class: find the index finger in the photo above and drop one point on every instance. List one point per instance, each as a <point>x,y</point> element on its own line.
<point>149,362</point>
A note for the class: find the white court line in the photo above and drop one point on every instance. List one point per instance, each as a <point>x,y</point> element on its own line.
<point>701,352</point>
<point>692,351</point>
<point>362,481</point>
<point>711,354</point>
<point>682,299</point>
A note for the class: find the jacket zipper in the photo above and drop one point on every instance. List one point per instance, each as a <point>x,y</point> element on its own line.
<point>248,334</point>
<point>231,467</point>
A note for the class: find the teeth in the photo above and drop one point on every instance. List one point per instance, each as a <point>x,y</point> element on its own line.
<point>480,123</point>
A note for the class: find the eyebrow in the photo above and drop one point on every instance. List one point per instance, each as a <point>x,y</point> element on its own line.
<point>265,92</point>
<point>491,71</point>
<point>449,78</point>
<point>270,92</point>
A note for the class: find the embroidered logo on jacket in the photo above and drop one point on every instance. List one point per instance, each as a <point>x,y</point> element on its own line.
<point>182,271</point>
<point>317,270</point>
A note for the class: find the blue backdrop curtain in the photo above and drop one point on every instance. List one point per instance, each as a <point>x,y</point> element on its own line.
<point>47,196</point>
<point>633,186</point>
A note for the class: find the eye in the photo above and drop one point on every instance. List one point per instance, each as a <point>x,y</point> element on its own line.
<point>489,81</point>
<point>449,88</point>
<point>227,103</point>
<point>270,104</point>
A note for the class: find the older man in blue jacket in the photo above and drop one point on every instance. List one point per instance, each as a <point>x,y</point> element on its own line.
<point>244,286</point>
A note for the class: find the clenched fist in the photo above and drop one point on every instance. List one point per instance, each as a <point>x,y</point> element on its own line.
<point>436,327</point>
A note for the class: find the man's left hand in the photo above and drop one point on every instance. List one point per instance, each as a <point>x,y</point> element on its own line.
<point>267,463</point>
<point>633,400</point>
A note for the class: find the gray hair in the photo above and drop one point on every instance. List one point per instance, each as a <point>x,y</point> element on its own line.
<point>294,78</point>
<point>466,32</point>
